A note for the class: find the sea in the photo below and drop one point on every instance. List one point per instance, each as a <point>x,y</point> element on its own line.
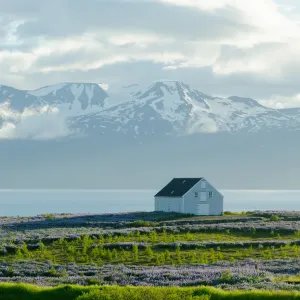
<point>36,202</point>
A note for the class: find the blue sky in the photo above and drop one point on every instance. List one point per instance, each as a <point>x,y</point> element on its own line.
<point>222,47</point>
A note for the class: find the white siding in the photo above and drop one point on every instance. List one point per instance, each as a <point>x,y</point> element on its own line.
<point>202,209</point>
<point>169,204</point>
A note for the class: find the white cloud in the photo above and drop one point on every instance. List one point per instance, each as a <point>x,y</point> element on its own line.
<point>38,124</point>
<point>256,39</point>
<point>269,26</point>
<point>104,86</point>
<point>263,15</point>
<point>205,125</point>
<point>270,60</point>
<point>198,55</point>
<point>204,5</point>
<point>139,40</point>
<point>278,102</point>
<point>96,54</point>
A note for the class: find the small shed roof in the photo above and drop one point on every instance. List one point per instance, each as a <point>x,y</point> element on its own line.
<point>177,187</point>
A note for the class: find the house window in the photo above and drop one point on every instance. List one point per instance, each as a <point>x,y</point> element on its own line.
<point>169,209</point>
<point>196,194</point>
<point>210,194</point>
<point>203,196</point>
<point>157,205</point>
<point>203,184</point>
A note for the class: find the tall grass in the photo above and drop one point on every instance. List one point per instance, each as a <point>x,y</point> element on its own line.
<point>31,292</point>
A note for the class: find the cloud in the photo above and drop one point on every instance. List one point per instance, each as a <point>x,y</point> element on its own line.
<point>234,60</point>
<point>74,18</point>
<point>44,123</point>
<point>203,126</point>
<point>210,44</point>
<point>279,102</point>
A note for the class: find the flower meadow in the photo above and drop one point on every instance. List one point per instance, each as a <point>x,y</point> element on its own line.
<point>246,251</point>
<point>247,274</point>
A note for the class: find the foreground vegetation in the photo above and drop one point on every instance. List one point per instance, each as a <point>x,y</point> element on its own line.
<point>188,240</point>
<point>30,292</point>
<point>250,250</point>
<point>154,249</point>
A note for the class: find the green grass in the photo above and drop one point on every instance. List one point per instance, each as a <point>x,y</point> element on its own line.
<point>86,250</point>
<point>241,213</point>
<point>48,216</point>
<point>289,279</point>
<point>31,292</point>
<point>199,237</point>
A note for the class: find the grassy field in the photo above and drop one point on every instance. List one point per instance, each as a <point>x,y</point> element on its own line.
<point>165,245</point>
<point>31,292</point>
<point>159,249</point>
<point>250,250</point>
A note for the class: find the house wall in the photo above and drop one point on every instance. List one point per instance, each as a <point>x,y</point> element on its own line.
<point>169,204</point>
<point>215,203</point>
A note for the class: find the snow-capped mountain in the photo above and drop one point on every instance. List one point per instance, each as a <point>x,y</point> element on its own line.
<point>70,98</point>
<point>162,108</point>
<point>18,100</point>
<point>175,108</point>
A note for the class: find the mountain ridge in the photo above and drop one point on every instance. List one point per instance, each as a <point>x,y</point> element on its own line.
<point>161,108</point>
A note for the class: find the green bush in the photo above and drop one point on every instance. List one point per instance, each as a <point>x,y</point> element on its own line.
<point>10,271</point>
<point>226,276</point>
<point>274,218</point>
<point>141,223</point>
<point>52,272</point>
<point>48,216</point>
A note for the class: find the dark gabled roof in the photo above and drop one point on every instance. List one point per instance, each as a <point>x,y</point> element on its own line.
<point>177,187</point>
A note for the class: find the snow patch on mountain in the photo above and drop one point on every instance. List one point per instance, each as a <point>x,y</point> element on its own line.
<point>292,112</point>
<point>76,90</point>
<point>73,98</point>
<point>173,107</point>
<point>161,108</point>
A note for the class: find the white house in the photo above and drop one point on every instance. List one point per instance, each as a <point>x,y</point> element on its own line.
<point>189,195</point>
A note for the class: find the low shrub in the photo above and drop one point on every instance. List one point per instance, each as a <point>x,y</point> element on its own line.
<point>142,223</point>
<point>274,218</point>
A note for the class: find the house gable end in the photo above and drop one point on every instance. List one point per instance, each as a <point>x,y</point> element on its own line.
<point>204,200</point>
<point>215,190</point>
